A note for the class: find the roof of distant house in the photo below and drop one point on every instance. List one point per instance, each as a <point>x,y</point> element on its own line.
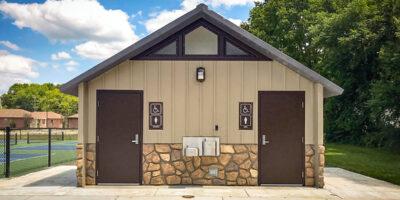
<point>14,113</point>
<point>73,116</point>
<point>44,115</point>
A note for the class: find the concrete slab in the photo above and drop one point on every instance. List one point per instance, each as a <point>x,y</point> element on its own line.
<point>205,191</point>
<point>350,185</point>
<point>59,183</point>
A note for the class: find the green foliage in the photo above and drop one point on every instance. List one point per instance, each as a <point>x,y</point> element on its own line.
<point>354,43</point>
<point>36,97</point>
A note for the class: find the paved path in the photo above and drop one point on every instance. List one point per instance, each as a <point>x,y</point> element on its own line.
<point>58,183</point>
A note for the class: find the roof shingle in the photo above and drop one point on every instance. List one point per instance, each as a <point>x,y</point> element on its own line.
<point>14,113</point>
<point>44,115</point>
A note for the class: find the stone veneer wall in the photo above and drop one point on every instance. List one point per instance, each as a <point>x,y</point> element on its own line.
<point>164,164</point>
<point>90,164</point>
<point>310,176</point>
<point>79,165</point>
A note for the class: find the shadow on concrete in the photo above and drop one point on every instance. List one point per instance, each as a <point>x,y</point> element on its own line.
<point>65,179</point>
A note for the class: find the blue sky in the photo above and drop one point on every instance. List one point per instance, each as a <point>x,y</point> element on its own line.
<point>54,41</point>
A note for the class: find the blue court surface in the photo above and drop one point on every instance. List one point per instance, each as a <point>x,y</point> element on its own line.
<point>45,147</point>
<point>14,157</point>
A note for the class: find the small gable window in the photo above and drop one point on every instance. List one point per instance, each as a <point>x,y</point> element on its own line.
<point>169,49</point>
<point>233,50</point>
<point>201,41</point>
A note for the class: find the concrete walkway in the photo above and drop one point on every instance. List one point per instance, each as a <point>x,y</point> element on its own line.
<point>59,183</point>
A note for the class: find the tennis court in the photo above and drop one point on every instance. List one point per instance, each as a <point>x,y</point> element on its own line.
<point>29,150</point>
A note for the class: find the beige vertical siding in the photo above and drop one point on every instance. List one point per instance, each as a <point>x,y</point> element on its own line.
<point>192,108</point>
<point>83,113</point>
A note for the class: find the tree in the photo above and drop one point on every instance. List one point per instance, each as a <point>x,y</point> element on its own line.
<point>36,97</point>
<point>352,43</point>
<point>385,91</point>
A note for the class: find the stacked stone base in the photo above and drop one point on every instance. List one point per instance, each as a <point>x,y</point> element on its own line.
<point>312,179</point>
<point>163,164</point>
<point>90,165</point>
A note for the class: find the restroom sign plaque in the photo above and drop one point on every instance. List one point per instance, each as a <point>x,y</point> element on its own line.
<point>156,115</point>
<point>245,115</point>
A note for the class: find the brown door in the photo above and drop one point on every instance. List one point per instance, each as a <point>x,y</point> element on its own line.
<point>119,136</point>
<point>281,136</point>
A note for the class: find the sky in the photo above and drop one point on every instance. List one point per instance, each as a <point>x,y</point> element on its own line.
<point>54,41</point>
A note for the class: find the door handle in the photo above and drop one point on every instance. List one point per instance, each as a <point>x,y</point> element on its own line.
<point>264,140</point>
<point>136,140</point>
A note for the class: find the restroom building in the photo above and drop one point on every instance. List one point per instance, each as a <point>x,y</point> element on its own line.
<point>201,102</point>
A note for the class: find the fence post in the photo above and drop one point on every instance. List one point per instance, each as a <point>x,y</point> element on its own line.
<point>8,130</point>
<point>49,153</point>
<point>62,135</point>
<point>20,134</point>
<point>16,138</point>
<point>27,137</point>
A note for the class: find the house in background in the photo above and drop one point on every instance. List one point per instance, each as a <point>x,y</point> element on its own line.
<point>72,121</point>
<point>15,118</point>
<point>46,120</point>
<point>201,101</point>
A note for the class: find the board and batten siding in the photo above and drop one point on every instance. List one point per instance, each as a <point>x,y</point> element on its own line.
<point>193,108</point>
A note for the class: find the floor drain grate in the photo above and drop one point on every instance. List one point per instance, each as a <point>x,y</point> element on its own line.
<point>188,196</point>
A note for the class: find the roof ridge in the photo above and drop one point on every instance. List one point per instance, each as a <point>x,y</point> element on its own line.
<point>202,11</point>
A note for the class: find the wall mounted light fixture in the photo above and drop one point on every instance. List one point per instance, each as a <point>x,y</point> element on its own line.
<point>200,74</point>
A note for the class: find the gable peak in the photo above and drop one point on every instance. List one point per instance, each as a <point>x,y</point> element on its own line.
<point>202,6</point>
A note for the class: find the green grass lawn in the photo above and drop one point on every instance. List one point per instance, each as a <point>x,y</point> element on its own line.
<point>24,166</point>
<point>371,162</point>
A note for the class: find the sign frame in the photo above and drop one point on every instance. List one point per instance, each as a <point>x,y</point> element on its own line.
<point>156,112</point>
<point>246,112</point>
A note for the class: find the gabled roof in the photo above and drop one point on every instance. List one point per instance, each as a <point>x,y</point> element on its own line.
<point>73,116</point>
<point>14,113</point>
<point>202,12</point>
<point>46,115</point>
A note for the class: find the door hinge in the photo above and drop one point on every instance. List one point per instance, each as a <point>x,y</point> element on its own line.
<point>302,174</point>
<point>302,104</point>
<point>98,138</point>
<point>97,172</point>
<point>98,103</point>
<point>302,139</point>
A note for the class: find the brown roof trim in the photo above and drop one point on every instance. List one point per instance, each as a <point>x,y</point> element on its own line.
<point>201,11</point>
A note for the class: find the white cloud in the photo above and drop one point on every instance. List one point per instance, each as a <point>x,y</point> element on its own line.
<point>163,17</point>
<point>60,56</point>
<point>3,52</point>
<point>71,65</point>
<point>235,21</point>
<point>55,66</point>
<point>98,50</point>
<point>10,45</point>
<point>76,20</point>
<point>229,3</point>
<point>137,14</point>
<point>16,69</point>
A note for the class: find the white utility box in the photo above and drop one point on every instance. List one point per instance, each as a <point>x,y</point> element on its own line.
<point>200,146</point>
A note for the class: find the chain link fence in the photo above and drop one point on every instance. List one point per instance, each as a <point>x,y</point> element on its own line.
<point>33,149</point>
